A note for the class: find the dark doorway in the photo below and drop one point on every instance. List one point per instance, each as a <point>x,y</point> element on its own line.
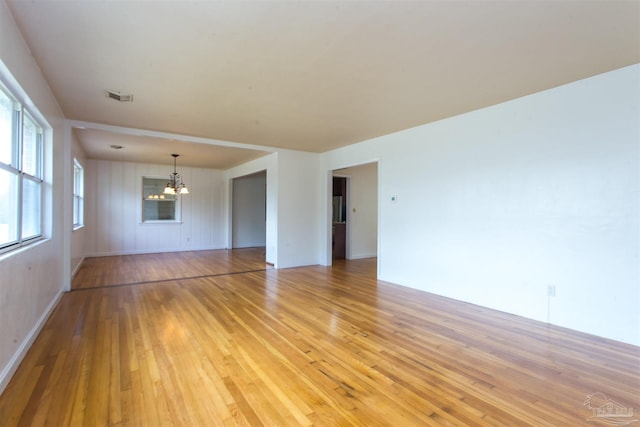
<point>339,234</point>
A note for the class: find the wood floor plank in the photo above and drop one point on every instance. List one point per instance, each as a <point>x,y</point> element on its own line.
<point>129,269</point>
<point>223,340</point>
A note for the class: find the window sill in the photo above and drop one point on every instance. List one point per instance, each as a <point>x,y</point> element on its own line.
<point>161,222</point>
<point>10,251</point>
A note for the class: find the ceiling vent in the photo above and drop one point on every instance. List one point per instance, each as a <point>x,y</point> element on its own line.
<point>122,97</point>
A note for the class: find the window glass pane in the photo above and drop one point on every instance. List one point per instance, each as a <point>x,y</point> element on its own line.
<point>159,210</point>
<point>21,173</point>
<point>76,178</point>
<point>79,181</point>
<point>31,205</point>
<point>8,207</point>
<point>31,140</point>
<point>156,205</point>
<point>6,129</point>
<point>78,199</point>
<point>76,210</point>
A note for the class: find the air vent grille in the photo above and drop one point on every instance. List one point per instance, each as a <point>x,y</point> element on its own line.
<point>121,97</point>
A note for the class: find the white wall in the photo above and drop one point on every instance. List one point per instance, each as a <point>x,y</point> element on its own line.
<point>249,213</point>
<point>113,194</point>
<point>293,206</point>
<point>299,209</point>
<point>33,278</point>
<point>496,205</point>
<point>362,211</point>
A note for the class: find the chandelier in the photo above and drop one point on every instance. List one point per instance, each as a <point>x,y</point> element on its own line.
<point>175,185</point>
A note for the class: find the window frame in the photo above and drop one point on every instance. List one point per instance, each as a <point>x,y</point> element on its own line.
<point>28,226</point>
<point>78,194</point>
<point>160,184</point>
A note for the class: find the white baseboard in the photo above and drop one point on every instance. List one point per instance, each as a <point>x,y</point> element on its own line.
<point>75,270</point>
<point>362,256</point>
<point>151,251</point>
<point>14,362</point>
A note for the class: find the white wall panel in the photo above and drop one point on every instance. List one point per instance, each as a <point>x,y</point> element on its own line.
<point>116,210</point>
<point>129,201</point>
<point>299,209</point>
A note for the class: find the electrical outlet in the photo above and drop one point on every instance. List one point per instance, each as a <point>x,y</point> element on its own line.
<point>551,290</point>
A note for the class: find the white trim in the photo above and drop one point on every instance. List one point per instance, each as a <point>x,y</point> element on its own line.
<point>161,222</point>
<point>362,256</point>
<point>77,191</point>
<point>77,268</point>
<point>154,251</point>
<point>18,356</point>
<point>10,251</point>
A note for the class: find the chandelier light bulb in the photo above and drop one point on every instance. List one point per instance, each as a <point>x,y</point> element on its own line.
<point>175,186</point>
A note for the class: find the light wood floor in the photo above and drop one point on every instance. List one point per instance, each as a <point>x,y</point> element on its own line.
<point>304,346</point>
<point>132,269</point>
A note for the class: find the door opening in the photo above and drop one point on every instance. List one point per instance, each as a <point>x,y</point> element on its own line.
<point>339,220</point>
<point>354,213</point>
<point>249,215</point>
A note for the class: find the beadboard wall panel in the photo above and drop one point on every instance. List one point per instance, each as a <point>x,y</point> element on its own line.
<point>114,210</point>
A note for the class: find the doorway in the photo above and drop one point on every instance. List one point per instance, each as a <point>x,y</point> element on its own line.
<point>248,211</point>
<point>354,212</point>
<point>339,218</point>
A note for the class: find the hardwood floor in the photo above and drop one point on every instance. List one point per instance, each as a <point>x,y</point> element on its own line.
<point>305,346</point>
<point>131,269</point>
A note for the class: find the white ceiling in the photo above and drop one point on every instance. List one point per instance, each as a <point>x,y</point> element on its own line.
<point>310,75</point>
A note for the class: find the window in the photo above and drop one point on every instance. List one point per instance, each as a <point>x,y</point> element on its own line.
<point>157,206</point>
<point>21,173</point>
<point>78,194</point>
